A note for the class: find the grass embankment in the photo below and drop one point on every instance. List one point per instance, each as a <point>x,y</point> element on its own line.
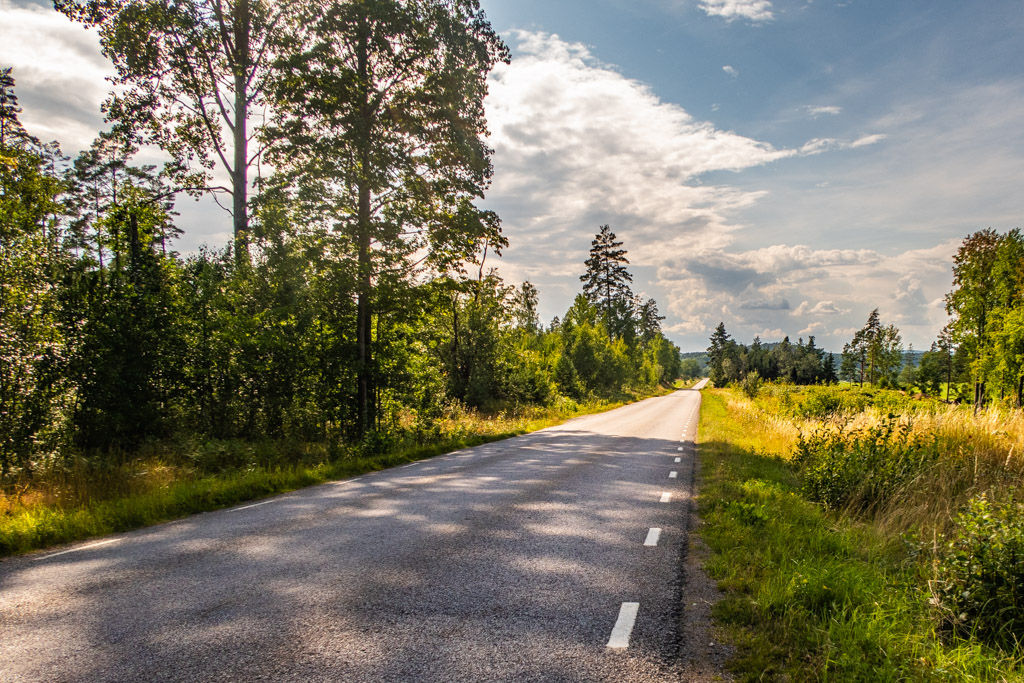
<point>160,482</point>
<point>846,591</point>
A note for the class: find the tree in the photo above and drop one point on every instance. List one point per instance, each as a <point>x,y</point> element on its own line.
<point>874,354</point>
<point>719,352</point>
<point>12,133</point>
<point>828,369</point>
<point>973,297</point>
<point>34,392</point>
<point>189,70</point>
<point>1005,326</point>
<point>648,320</point>
<point>524,311</point>
<point>380,129</point>
<point>606,280</point>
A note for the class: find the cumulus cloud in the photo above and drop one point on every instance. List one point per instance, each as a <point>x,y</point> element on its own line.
<point>730,10</point>
<point>577,144</point>
<point>731,70</point>
<point>747,289</point>
<point>814,328</point>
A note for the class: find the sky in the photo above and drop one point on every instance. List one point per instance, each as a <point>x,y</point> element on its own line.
<point>782,166</point>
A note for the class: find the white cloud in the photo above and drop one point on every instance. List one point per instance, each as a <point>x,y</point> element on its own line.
<point>752,10</point>
<point>59,73</point>
<point>819,145</point>
<point>867,140</point>
<point>814,328</point>
<point>577,144</point>
<point>731,70</point>
<point>820,308</point>
<point>749,290</point>
<point>816,111</point>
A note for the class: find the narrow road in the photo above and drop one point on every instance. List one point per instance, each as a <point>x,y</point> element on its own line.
<point>515,561</point>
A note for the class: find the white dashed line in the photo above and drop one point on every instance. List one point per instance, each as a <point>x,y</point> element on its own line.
<point>679,459</point>
<point>652,537</point>
<point>84,547</point>
<point>673,474</point>
<point>624,625</point>
<point>680,448</point>
<point>665,496</point>
<point>254,505</point>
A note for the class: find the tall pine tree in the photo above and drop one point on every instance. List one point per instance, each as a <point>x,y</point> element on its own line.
<point>606,282</point>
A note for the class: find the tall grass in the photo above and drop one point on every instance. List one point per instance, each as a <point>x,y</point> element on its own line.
<point>972,452</point>
<point>847,593</point>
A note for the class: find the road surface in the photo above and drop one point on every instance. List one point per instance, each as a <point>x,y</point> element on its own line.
<point>554,556</point>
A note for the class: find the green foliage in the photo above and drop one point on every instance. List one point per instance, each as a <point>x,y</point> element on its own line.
<point>800,363</point>
<point>985,313</point>
<point>824,404</point>
<point>606,285</point>
<point>875,355</point>
<point>861,468</point>
<point>34,392</point>
<point>751,384</point>
<point>811,595</point>
<point>979,579</point>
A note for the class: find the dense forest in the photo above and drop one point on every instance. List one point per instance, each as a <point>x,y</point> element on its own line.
<point>355,299</point>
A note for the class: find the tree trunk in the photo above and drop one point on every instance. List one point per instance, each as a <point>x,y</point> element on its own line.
<point>365,280</point>
<point>239,173</point>
<point>363,315</point>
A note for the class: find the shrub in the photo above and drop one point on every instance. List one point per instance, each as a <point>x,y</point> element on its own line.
<point>751,384</point>
<point>862,468</point>
<point>821,404</point>
<point>979,586</point>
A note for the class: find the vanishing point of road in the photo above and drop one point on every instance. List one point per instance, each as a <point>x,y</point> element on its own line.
<point>555,556</point>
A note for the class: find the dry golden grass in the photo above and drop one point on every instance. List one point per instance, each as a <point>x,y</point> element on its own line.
<point>976,452</point>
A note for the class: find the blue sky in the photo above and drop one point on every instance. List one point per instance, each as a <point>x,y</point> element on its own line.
<point>782,166</point>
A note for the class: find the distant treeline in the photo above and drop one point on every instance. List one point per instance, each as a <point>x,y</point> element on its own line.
<point>800,363</point>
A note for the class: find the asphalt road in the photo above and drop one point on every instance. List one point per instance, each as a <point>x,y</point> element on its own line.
<point>510,561</point>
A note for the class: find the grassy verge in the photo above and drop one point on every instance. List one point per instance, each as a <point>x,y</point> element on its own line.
<point>177,480</point>
<point>810,594</point>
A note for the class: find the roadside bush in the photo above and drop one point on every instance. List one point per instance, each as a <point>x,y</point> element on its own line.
<point>979,586</point>
<point>822,404</point>
<point>863,468</point>
<point>751,384</point>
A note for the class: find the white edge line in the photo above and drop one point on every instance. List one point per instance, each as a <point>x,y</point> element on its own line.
<point>624,625</point>
<point>653,534</point>
<point>254,505</point>
<point>75,550</point>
